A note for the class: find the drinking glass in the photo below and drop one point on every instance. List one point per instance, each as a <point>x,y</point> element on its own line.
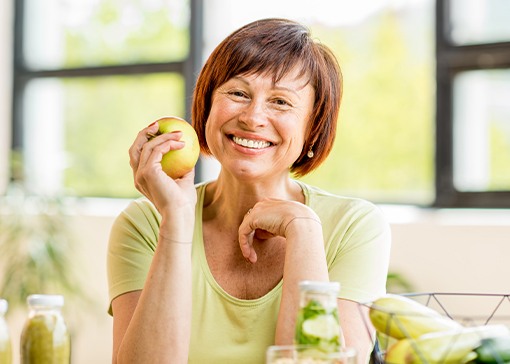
<point>302,354</point>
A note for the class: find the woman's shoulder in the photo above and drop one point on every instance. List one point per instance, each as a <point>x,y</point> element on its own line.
<point>316,197</point>
<point>139,207</point>
<point>337,209</point>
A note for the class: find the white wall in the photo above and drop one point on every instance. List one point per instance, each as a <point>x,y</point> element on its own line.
<point>454,251</point>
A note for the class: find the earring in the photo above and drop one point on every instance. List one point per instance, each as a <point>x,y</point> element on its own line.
<point>310,153</point>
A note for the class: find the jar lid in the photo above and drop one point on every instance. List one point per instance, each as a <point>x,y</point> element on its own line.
<point>45,300</point>
<point>320,286</point>
<point>3,306</point>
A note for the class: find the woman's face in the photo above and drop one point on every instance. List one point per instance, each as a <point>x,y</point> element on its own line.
<point>257,128</point>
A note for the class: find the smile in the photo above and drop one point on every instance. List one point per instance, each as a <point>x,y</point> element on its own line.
<point>249,143</point>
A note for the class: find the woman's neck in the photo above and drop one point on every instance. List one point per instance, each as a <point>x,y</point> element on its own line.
<point>229,199</point>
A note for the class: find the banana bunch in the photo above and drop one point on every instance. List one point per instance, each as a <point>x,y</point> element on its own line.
<point>422,335</point>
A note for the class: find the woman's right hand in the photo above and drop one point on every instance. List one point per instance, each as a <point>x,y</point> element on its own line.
<point>154,324</point>
<point>145,156</point>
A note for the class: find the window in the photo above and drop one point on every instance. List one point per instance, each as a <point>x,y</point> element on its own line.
<point>88,76</point>
<point>473,112</point>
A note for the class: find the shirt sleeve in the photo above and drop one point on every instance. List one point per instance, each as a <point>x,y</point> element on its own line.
<point>359,251</point>
<point>131,246</point>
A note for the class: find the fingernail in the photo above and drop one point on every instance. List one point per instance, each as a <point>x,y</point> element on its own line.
<point>151,124</point>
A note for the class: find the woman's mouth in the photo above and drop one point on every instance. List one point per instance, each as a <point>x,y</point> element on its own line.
<point>250,143</point>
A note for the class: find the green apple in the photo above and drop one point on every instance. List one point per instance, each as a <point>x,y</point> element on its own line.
<point>176,163</point>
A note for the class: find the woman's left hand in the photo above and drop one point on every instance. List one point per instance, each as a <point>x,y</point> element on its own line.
<point>270,218</point>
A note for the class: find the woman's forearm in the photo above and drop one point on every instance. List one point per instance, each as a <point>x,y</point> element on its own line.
<point>357,333</point>
<point>159,330</point>
<point>305,259</point>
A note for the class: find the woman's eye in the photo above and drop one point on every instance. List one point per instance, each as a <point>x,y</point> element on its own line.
<point>237,93</point>
<point>281,102</point>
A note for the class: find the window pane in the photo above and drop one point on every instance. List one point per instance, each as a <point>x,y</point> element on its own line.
<point>67,33</point>
<point>482,131</point>
<point>78,131</point>
<point>479,21</point>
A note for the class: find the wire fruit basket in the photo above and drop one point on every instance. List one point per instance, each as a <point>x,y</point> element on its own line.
<point>434,328</point>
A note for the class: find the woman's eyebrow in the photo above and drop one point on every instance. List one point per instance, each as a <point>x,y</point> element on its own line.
<point>276,86</point>
<point>284,88</point>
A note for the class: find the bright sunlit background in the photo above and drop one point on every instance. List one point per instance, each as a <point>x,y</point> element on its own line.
<point>384,149</point>
<point>74,129</point>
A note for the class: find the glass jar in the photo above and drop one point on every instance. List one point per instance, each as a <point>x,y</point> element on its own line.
<point>5,338</point>
<point>45,338</point>
<point>317,324</point>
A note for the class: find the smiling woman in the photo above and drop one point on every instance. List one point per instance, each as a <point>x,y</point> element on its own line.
<point>265,106</point>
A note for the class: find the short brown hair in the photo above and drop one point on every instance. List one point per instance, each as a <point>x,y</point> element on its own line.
<point>275,46</point>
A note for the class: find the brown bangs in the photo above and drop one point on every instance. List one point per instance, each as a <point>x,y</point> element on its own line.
<point>266,53</point>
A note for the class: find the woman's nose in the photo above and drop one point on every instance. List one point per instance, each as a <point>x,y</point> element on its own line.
<point>254,114</point>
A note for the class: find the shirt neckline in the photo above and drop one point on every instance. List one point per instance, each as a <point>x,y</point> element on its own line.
<point>204,266</point>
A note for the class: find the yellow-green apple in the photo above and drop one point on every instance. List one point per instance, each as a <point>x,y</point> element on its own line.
<point>176,163</point>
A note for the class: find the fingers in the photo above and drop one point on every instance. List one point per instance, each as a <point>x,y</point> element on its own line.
<point>263,234</point>
<point>146,152</point>
<point>136,148</point>
<point>254,226</point>
<point>246,234</point>
<point>149,164</point>
<point>153,150</point>
<point>148,141</point>
<point>270,218</point>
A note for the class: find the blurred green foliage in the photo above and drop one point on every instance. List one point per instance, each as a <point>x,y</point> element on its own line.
<point>384,146</point>
<point>103,116</point>
<point>136,31</point>
<point>499,136</point>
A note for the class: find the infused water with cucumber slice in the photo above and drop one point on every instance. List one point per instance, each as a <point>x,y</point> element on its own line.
<point>317,324</point>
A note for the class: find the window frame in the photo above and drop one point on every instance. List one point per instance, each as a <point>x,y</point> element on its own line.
<point>22,75</point>
<point>452,59</point>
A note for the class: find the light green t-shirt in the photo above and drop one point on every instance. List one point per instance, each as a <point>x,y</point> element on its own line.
<point>226,329</point>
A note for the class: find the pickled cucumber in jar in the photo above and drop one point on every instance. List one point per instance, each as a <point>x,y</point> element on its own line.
<point>45,338</point>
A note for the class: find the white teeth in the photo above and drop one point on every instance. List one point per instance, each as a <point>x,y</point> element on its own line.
<point>255,144</point>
